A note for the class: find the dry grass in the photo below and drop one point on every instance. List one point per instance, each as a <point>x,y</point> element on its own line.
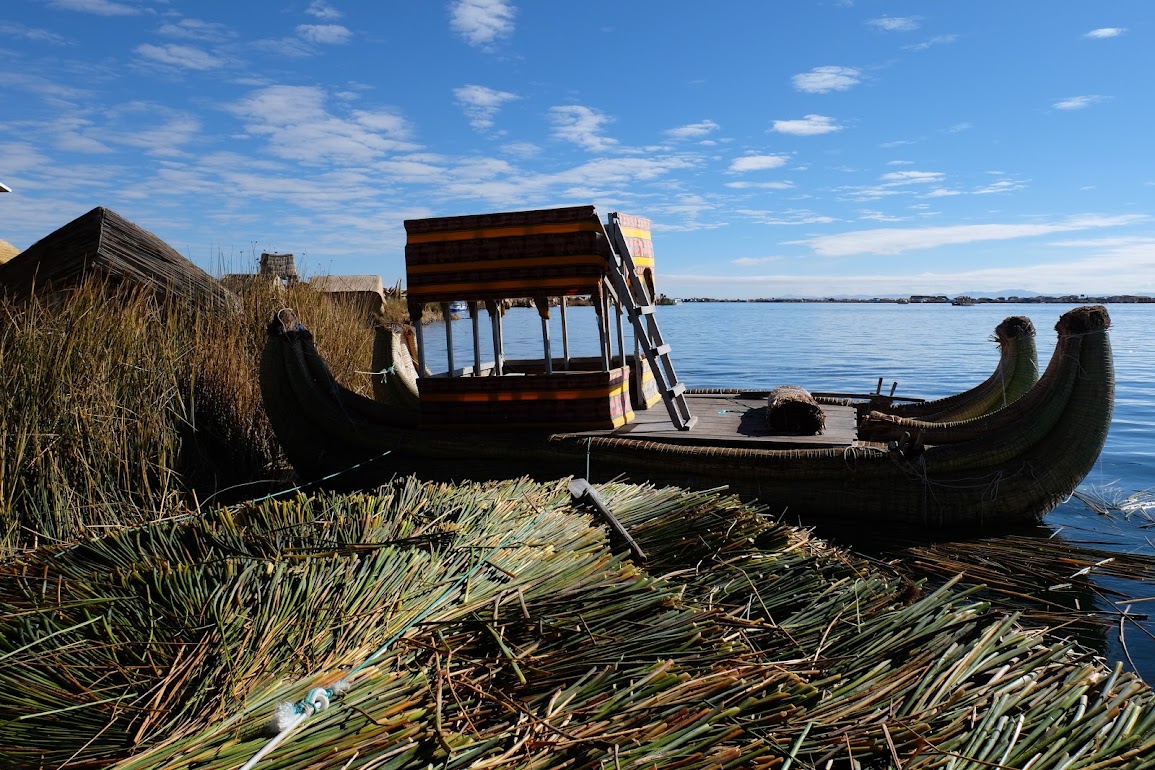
<point>117,410</point>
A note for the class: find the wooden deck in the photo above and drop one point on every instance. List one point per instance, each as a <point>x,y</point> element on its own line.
<point>733,421</point>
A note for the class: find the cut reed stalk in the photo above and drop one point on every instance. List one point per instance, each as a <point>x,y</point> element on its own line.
<point>214,621</point>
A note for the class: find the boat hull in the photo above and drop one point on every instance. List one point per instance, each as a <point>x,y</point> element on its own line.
<point>1004,477</point>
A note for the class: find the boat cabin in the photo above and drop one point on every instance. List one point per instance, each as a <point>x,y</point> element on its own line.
<point>549,256</point>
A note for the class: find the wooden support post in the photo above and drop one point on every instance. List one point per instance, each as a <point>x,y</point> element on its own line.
<point>416,309</point>
<point>495,321</point>
<point>564,333</point>
<point>638,373</point>
<point>543,311</point>
<point>601,303</point>
<point>476,338</point>
<point>448,318</point>
<point>621,336</point>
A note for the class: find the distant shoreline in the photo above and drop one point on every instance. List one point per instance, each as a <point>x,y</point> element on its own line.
<point>1069,299</point>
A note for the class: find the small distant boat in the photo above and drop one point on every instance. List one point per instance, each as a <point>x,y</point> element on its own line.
<point>1003,453</point>
<point>459,306</point>
<point>964,301</point>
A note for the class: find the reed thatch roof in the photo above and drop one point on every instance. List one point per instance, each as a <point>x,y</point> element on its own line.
<point>348,284</point>
<point>104,243</point>
<point>7,251</point>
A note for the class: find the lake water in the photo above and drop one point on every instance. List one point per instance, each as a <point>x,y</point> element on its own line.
<point>930,351</point>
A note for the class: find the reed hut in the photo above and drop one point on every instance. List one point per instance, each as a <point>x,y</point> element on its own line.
<point>365,293</point>
<point>7,251</point>
<point>277,271</point>
<point>103,243</point>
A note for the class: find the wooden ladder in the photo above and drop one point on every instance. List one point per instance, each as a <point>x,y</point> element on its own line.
<point>634,297</point>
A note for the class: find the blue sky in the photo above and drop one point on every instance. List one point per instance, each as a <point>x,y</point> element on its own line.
<point>799,148</point>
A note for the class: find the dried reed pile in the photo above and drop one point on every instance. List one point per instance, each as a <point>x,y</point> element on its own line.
<point>491,626</point>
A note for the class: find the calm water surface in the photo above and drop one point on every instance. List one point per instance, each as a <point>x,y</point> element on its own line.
<point>930,351</point>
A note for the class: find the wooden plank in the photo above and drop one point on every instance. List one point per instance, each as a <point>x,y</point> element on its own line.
<point>735,421</point>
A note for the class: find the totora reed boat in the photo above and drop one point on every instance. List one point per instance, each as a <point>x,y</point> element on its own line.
<point>1000,454</point>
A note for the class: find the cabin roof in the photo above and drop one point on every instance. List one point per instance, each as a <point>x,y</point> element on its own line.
<point>550,252</point>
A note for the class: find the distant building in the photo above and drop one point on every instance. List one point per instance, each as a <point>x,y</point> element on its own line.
<point>925,298</point>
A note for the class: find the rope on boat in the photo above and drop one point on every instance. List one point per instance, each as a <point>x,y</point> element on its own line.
<point>383,373</point>
<point>290,716</point>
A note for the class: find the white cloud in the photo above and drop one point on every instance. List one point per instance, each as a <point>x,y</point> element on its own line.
<point>319,9</point>
<point>42,87</point>
<point>895,241</point>
<point>521,149</point>
<point>811,125</point>
<point>936,40</point>
<point>291,47</point>
<point>482,22</point>
<point>894,23</point>
<point>911,177</point>
<point>1077,102</point>
<point>758,163</point>
<point>821,80</point>
<point>1105,32</point>
<point>71,134</point>
<point>195,29</point>
<point>182,56</point>
<point>333,34</point>
<point>481,104</point>
<point>788,217</point>
<point>30,33</point>
<point>1123,268</point>
<point>98,7</point>
<point>582,126</point>
<point>697,130</point>
<point>298,126</point>
<point>760,185</point>
<point>598,179</point>
<point>878,216</point>
<point>751,261</point>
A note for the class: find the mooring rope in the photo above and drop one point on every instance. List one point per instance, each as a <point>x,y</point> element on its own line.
<point>290,716</point>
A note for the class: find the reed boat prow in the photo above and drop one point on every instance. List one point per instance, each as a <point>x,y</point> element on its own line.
<point>1016,373</point>
<point>998,455</point>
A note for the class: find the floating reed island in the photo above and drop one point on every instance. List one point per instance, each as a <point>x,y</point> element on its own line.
<point>497,625</point>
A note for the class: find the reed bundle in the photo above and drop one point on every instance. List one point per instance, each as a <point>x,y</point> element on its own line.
<point>489,625</point>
